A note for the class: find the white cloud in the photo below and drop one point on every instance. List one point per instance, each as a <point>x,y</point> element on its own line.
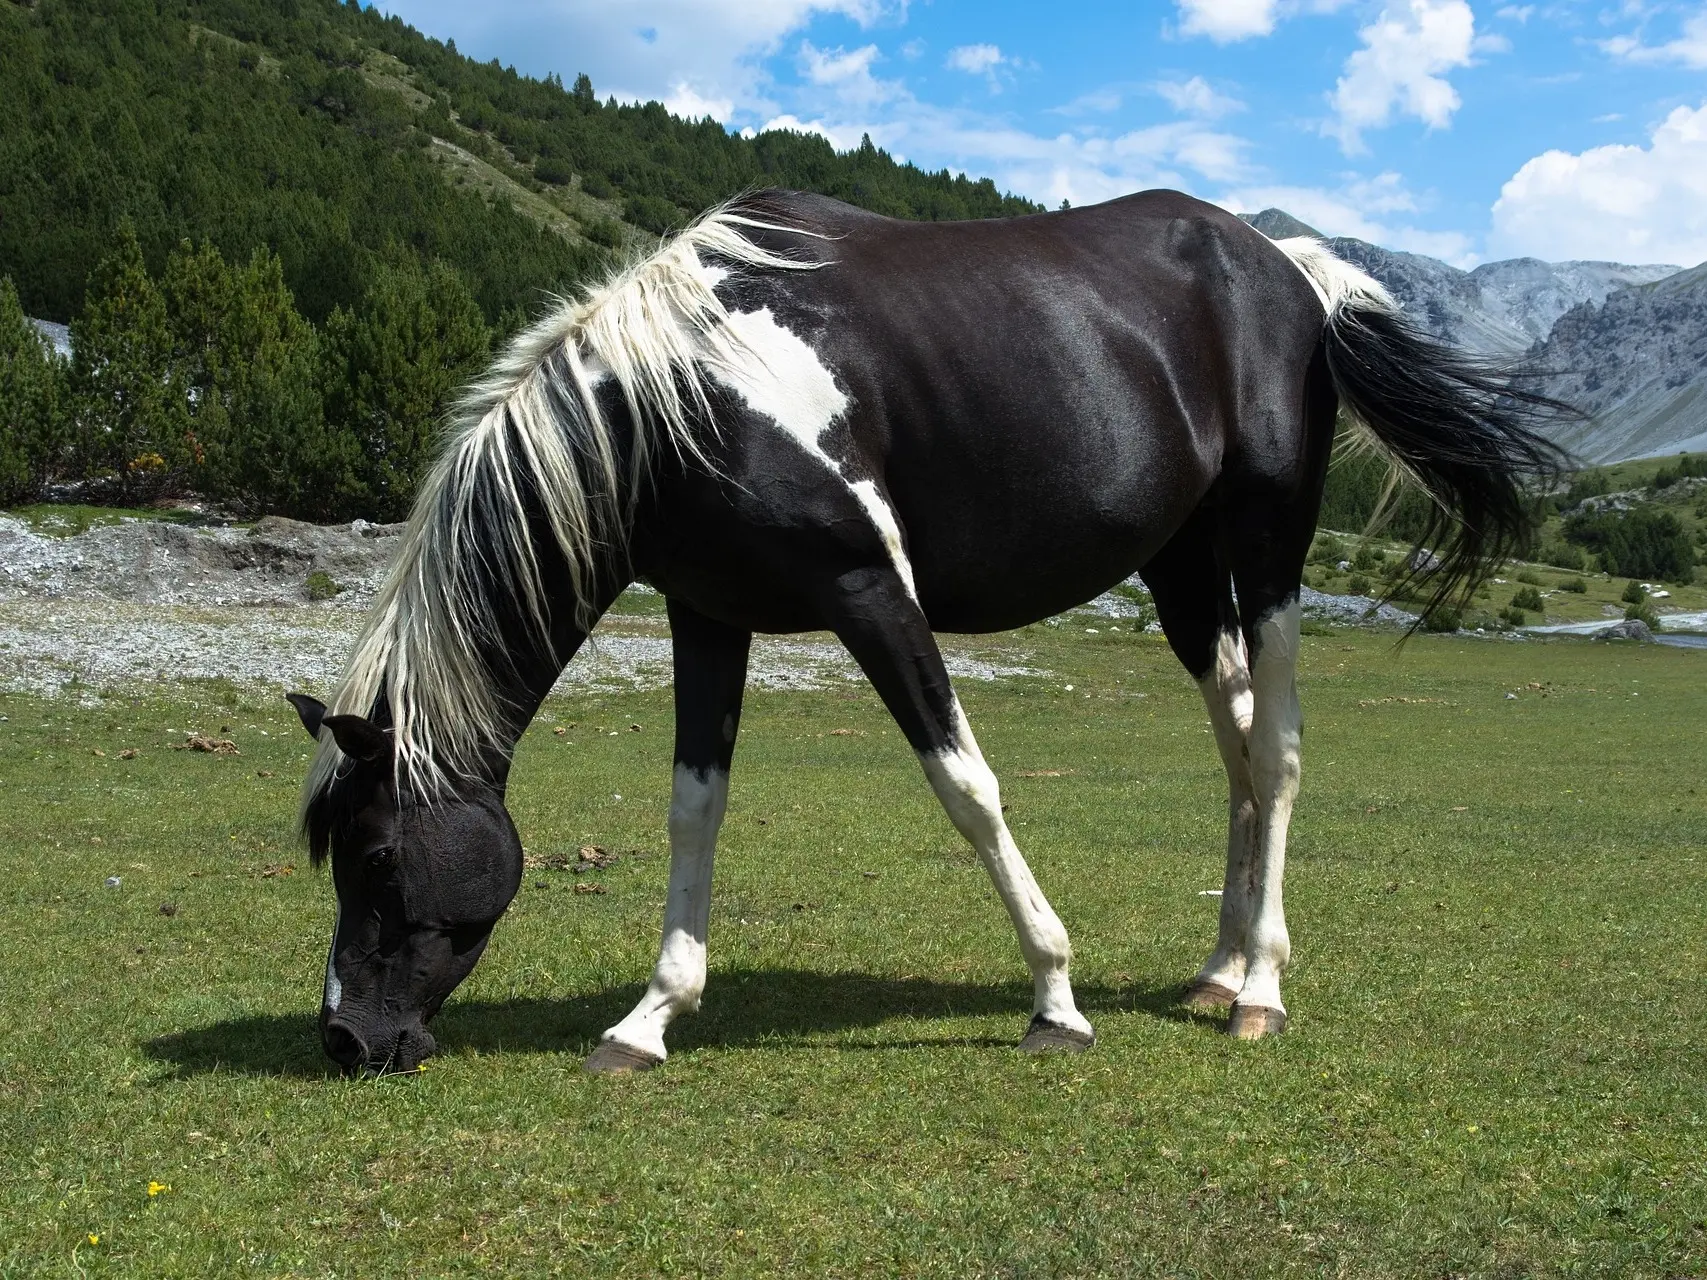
<point>1406,53</point>
<point>1356,208</point>
<point>1518,13</point>
<point>974,59</point>
<point>683,101</point>
<point>1224,21</point>
<point>846,73</point>
<point>1195,97</point>
<point>1625,203</point>
<point>793,124</point>
<point>641,49</point>
<point>1690,47</point>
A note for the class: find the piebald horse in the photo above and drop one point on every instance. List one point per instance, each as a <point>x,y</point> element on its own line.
<point>796,415</point>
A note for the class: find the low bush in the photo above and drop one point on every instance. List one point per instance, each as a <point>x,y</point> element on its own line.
<point>1513,617</point>
<point>1642,543</point>
<point>1528,598</point>
<point>1529,576</point>
<point>321,587</point>
<point>1633,593</point>
<point>1443,617</point>
<point>1358,586</point>
<point>1574,585</point>
<point>1644,612</point>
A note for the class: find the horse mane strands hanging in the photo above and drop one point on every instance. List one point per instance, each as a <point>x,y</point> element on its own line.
<point>532,427</point>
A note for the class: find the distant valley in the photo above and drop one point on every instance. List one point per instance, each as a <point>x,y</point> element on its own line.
<point>1626,344</point>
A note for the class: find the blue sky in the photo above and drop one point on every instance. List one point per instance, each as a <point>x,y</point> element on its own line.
<point>1459,128</point>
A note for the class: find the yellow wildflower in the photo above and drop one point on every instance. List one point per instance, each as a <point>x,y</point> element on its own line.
<point>94,1238</point>
<point>155,1188</point>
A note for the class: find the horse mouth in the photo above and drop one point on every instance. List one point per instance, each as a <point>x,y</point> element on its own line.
<point>356,1057</point>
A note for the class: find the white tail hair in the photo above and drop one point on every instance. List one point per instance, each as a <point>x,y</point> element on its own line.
<point>1337,283</point>
<point>532,428</point>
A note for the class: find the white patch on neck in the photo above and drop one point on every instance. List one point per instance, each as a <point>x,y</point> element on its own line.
<point>334,988</point>
<point>779,375</point>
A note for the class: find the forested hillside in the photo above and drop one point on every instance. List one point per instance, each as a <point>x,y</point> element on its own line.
<point>343,140</point>
<point>283,232</point>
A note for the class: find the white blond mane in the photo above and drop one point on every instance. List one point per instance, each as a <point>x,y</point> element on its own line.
<point>533,424</point>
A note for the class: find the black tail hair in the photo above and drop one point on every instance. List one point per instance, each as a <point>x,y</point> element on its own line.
<point>1459,426</point>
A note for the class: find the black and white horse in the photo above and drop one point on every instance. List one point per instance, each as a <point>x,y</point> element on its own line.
<point>797,416</point>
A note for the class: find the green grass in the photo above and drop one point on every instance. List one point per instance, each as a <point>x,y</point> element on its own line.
<point>1495,1066</point>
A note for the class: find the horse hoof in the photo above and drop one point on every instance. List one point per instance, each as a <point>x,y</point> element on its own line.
<point>1206,994</point>
<point>614,1058</point>
<point>1044,1036</point>
<point>1254,1021</point>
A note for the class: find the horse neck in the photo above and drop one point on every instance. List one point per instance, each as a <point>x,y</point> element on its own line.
<point>526,673</point>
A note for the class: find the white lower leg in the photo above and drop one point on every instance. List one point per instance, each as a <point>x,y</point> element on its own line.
<point>1226,693</point>
<point>1276,740</point>
<point>969,794</point>
<point>697,802</point>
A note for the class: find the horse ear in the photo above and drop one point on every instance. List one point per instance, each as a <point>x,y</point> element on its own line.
<point>358,738</point>
<point>311,710</point>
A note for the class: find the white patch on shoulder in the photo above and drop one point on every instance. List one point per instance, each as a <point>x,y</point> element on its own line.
<point>779,375</point>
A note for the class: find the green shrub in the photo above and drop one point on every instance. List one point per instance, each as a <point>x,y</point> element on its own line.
<point>321,587</point>
<point>1574,585</point>
<point>1643,612</point>
<point>556,172</point>
<point>1358,586</point>
<point>1642,543</point>
<point>1367,559</point>
<point>1327,549</point>
<point>1587,484</point>
<point>1443,617</point>
<point>1633,593</point>
<point>1513,617</point>
<point>1528,598</point>
<point>1563,554</point>
<point>606,232</point>
<point>1529,576</point>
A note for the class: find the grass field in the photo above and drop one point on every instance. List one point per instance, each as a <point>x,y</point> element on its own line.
<point>1497,1064</point>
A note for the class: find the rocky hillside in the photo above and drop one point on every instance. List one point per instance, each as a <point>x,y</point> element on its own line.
<point>1637,363</point>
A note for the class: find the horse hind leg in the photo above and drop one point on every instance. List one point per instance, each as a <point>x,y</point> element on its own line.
<point>1194,599</point>
<point>710,673</point>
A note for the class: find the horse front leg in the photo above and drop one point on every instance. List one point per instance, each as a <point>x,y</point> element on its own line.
<point>875,616</point>
<point>710,675</point>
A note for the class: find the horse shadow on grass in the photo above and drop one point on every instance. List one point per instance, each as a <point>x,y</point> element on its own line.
<point>743,1008</point>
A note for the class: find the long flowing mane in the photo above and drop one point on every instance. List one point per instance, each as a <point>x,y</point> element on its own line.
<point>532,429</point>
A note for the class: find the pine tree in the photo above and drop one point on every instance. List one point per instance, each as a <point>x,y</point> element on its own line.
<point>31,399</point>
<point>392,370</point>
<point>277,454</point>
<point>131,421</point>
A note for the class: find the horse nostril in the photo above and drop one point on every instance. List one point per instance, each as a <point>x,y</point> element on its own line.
<point>343,1046</point>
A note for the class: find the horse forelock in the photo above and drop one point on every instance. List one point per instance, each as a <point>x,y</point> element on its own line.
<point>532,430</point>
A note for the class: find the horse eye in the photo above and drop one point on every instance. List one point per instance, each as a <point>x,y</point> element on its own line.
<point>381,857</point>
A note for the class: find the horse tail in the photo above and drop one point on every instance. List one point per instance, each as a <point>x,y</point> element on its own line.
<point>1456,425</point>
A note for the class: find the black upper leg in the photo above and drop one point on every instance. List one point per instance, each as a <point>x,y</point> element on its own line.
<point>1193,593</point>
<point>711,674</point>
<point>885,631</point>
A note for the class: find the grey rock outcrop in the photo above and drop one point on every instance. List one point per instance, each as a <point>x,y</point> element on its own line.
<point>1637,364</point>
